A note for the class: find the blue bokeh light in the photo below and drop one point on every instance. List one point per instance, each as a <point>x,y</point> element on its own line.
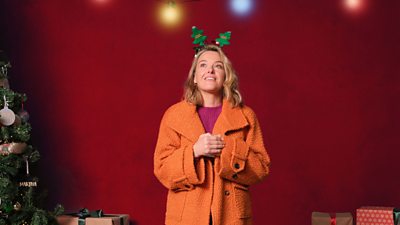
<point>241,7</point>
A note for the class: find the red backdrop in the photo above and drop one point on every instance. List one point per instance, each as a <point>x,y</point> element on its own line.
<point>99,75</point>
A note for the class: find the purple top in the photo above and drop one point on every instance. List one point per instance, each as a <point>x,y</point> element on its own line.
<point>208,116</point>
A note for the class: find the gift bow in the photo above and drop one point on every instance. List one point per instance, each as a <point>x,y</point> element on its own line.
<point>333,218</point>
<point>84,213</point>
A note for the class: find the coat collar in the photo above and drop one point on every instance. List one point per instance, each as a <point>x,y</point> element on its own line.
<point>190,126</point>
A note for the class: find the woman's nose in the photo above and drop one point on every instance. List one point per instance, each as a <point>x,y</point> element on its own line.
<point>211,69</point>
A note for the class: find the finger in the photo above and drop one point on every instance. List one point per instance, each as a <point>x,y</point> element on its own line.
<point>219,136</point>
<point>215,142</point>
<point>208,148</point>
<point>216,146</point>
<point>214,151</point>
<point>206,135</point>
<point>213,137</point>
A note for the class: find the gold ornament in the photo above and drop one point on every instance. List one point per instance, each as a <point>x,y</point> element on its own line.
<point>17,206</point>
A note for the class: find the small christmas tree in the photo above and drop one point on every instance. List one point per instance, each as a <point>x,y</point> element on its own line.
<point>19,199</point>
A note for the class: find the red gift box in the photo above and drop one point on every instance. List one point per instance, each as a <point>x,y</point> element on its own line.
<point>373,215</point>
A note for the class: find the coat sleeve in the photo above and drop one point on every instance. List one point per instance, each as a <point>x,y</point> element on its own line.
<point>174,165</point>
<point>245,160</point>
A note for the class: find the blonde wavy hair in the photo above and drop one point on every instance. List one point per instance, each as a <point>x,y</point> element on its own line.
<point>230,89</point>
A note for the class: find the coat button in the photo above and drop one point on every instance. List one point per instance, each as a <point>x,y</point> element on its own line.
<point>226,193</point>
<point>237,166</point>
<point>235,176</point>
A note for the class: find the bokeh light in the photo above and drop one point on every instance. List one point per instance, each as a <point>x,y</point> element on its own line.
<point>353,5</point>
<point>170,13</point>
<point>100,2</point>
<point>241,7</point>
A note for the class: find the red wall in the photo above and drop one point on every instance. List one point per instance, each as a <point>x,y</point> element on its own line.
<point>323,82</point>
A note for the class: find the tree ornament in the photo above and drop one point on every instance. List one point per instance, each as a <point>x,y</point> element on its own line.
<point>28,181</point>
<point>4,83</point>
<point>24,115</point>
<point>4,64</point>
<point>12,148</point>
<point>17,206</point>
<point>17,121</point>
<point>7,116</point>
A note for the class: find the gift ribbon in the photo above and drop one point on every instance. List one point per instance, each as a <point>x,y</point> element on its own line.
<point>121,220</point>
<point>396,216</point>
<point>333,218</point>
<point>84,213</point>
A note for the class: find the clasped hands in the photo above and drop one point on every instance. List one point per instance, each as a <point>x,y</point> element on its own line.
<point>208,145</point>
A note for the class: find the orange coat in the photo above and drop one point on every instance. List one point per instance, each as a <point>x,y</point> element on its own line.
<point>198,187</point>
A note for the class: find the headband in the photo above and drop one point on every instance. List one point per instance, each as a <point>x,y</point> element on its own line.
<point>199,39</point>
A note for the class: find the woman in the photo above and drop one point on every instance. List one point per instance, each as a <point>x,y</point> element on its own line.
<point>210,148</point>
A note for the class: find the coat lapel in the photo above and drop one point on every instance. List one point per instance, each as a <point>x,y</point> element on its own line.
<point>230,119</point>
<point>188,122</point>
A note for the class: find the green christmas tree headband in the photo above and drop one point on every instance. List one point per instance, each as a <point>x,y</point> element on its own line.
<point>200,39</point>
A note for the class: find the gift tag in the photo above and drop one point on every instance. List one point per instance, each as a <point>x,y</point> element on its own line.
<point>7,116</point>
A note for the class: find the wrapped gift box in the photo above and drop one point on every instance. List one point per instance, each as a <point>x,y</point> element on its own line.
<point>320,218</point>
<point>372,215</point>
<point>107,219</point>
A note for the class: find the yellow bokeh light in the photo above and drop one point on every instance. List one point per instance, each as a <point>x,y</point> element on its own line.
<point>170,14</point>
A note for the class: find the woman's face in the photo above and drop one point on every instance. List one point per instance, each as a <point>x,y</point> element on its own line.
<point>210,72</point>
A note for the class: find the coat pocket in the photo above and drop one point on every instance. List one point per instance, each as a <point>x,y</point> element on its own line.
<point>175,204</point>
<point>242,201</point>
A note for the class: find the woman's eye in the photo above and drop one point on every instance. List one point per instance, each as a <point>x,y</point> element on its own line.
<point>219,66</point>
<point>203,65</point>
